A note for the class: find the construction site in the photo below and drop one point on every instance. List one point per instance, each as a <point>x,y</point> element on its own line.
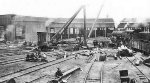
<point>73,50</point>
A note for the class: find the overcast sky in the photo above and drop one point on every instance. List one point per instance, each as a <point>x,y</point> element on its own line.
<point>117,9</point>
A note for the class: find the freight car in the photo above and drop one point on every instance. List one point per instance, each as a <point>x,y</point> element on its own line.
<point>141,42</point>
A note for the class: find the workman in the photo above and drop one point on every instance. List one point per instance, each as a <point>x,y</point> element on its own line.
<point>124,51</point>
<point>12,80</point>
<point>58,73</point>
<point>65,55</point>
<point>91,53</point>
<point>43,57</point>
<point>63,81</point>
<point>76,56</point>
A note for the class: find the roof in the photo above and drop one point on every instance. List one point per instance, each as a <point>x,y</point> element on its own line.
<point>60,22</point>
<point>29,18</point>
<point>118,32</point>
<point>129,20</point>
<point>121,25</point>
<point>145,32</point>
<point>78,25</point>
<point>130,25</point>
<point>81,20</point>
<point>130,31</point>
<point>6,19</point>
<point>100,39</point>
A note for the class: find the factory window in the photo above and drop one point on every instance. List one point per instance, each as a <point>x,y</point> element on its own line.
<point>52,30</point>
<point>145,29</point>
<point>88,28</point>
<point>103,28</point>
<point>75,30</point>
<point>71,30</point>
<point>2,30</point>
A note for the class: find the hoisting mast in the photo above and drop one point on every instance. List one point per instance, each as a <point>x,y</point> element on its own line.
<point>66,25</point>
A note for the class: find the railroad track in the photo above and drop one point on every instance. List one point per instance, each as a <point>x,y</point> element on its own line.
<point>66,75</point>
<point>143,78</point>
<point>90,58</point>
<point>12,61</point>
<point>6,62</point>
<point>95,72</point>
<point>87,74</point>
<point>32,69</point>
<point>97,77</point>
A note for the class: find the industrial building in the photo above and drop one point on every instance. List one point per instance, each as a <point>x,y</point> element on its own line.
<point>16,27</point>
<point>34,29</point>
<point>103,27</point>
<point>74,50</point>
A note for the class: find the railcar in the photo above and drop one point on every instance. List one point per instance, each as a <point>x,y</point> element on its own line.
<point>141,42</point>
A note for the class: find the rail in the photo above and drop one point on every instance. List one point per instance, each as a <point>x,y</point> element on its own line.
<point>87,74</point>
<point>32,69</point>
<point>138,69</point>
<point>12,61</point>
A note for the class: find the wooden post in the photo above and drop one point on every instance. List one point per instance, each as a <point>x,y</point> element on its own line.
<point>105,31</point>
<point>68,33</point>
<point>95,33</point>
<point>84,26</point>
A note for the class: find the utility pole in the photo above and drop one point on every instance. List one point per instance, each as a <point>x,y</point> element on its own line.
<point>95,33</point>
<point>84,12</point>
<point>68,32</point>
<point>105,31</point>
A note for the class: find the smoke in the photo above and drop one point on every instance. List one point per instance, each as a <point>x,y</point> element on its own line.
<point>10,28</point>
<point>141,23</point>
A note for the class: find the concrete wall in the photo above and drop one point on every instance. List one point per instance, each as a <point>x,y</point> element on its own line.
<point>6,27</point>
<point>31,26</point>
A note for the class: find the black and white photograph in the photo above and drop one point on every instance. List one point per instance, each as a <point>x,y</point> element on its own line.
<point>74,41</point>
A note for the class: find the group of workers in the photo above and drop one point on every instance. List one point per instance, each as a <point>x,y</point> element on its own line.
<point>124,51</point>
<point>36,55</point>
<point>99,44</point>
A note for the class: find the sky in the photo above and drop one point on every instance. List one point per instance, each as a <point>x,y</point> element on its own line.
<point>116,9</point>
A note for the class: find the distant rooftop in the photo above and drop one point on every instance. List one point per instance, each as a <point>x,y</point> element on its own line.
<point>80,20</point>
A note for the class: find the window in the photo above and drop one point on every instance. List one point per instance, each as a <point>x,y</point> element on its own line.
<point>71,30</point>
<point>77,31</point>
<point>52,30</point>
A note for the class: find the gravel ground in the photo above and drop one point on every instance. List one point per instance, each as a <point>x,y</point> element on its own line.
<point>6,69</point>
<point>51,70</point>
<point>112,68</point>
<point>11,57</point>
<point>110,74</point>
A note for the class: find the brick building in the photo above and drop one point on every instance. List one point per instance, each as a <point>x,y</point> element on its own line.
<point>16,27</point>
<point>103,27</point>
<point>34,29</point>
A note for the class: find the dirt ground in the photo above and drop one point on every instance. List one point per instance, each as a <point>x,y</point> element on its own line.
<point>110,75</point>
